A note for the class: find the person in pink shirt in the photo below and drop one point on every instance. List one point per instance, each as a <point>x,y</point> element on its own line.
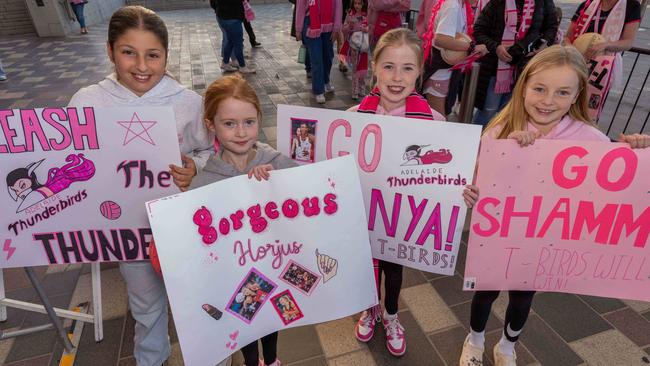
<point>384,15</point>
<point>549,102</point>
<point>318,23</point>
<point>397,64</point>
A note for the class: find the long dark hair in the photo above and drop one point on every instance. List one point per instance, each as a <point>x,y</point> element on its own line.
<point>22,173</point>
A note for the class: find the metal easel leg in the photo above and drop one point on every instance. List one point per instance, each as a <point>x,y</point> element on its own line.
<point>48,307</point>
<point>96,279</point>
<point>3,309</point>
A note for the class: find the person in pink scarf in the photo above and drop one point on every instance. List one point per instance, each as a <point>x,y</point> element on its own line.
<point>447,18</point>
<point>396,65</point>
<point>618,21</point>
<point>513,31</point>
<point>317,25</point>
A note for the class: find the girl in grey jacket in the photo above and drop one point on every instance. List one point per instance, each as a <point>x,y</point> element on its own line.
<point>233,112</point>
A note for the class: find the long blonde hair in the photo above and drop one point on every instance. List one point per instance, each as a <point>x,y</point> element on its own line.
<point>513,117</point>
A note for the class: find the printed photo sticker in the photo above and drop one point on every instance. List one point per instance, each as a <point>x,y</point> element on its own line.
<point>299,277</point>
<point>286,307</point>
<point>251,294</point>
<point>303,140</point>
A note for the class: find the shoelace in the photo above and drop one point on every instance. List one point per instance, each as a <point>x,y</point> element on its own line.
<point>394,328</point>
<point>368,320</point>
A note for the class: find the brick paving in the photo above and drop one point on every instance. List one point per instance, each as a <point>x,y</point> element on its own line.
<point>562,329</point>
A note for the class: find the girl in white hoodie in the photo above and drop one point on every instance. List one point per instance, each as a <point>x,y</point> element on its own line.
<point>138,47</point>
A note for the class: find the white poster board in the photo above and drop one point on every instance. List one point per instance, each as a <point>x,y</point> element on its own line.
<point>76,180</point>
<point>242,258</point>
<point>412,171</point>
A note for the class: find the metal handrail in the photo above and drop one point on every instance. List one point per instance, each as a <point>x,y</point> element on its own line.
<point>627,97</point>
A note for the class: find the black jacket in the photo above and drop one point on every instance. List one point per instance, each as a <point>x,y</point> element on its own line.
<point>229,9</point>
<point>488,30</point>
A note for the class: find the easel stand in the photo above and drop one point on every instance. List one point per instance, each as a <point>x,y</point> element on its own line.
<point>70,341</point>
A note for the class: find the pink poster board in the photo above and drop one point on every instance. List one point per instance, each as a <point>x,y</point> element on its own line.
<point>561,216</point>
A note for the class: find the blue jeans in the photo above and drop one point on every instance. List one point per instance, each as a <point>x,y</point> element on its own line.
<point>79,13</point>
<point>224,38</point>
<point>234,40</point>
<point>493,104</point>
<point>321,54</point>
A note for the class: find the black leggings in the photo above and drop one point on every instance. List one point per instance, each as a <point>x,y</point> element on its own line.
<point>392,284</point>
<point>269,349</point>
<point>519,303</point>
<point>251,34</point>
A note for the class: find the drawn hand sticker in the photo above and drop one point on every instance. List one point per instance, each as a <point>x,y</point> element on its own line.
<point>327,266</point>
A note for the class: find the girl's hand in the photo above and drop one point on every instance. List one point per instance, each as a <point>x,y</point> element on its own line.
<point>480,50</point>
<point>183,175</point>
<point>636,141</point>
<point>260,172</point>
<point>503,54</point>
<point>524,138</point>
<point>470,195</point>
<point>596,49</point>
<point>298,36</point>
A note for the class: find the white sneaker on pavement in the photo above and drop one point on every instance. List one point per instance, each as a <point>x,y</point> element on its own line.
<point>471,355</point>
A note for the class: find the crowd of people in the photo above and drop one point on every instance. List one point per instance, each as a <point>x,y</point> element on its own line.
<point>529,89</point>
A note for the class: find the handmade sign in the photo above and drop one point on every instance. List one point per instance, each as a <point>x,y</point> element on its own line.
<point>561,216</point>
<point>412,171</point>
<point>76,181</point>
<point>242,259</point>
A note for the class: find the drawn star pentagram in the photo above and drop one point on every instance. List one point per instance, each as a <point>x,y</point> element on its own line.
<point>140,131</point>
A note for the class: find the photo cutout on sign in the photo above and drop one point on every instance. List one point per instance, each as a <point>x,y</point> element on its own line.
<point>303,140</point>
<point>300,277</point>
<point>250,295</point>
<point>286,307</point>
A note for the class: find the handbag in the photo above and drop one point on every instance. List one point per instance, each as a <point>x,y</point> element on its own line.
<point>249,14</point>
<point>359,41</point>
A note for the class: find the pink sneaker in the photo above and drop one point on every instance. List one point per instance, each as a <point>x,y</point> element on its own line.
<point>395,341</point>
<point>365,328</point>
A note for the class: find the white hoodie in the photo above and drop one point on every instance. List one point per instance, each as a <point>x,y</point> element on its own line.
<point>193,137</point>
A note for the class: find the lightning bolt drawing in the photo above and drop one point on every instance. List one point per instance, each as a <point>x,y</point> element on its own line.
<point>8,248</point>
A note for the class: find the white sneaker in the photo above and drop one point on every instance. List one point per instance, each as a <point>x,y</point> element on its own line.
<point>329,88</point>
<point>229,67</point>
<point>471,355</point>
<point>502,359</point>
<point>320,98</point>
<point>395,341</point>
<point>247,70</point>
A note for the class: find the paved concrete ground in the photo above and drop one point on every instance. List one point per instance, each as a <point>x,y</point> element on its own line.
<point>562,329</point>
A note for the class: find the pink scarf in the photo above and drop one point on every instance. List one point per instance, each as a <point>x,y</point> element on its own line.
<point>321,17</point>
<point>505,71</point>
<point>416,105</point>
<point>612,32</point>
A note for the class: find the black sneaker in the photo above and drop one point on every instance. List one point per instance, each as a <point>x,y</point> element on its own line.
<point>256,44</point>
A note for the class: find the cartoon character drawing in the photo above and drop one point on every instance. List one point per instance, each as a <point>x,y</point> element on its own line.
<point>23,184</point>
<point>413,156</point>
